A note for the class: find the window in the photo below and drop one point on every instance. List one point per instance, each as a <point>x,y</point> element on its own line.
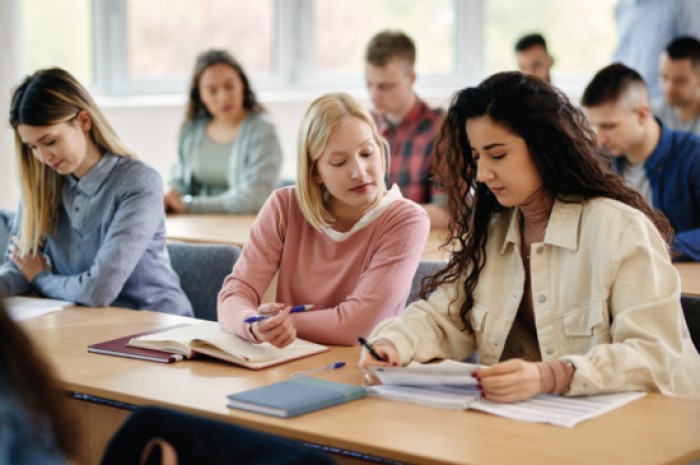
<point>580,34</point>
<point>149,47</point>
<point>58,33</point>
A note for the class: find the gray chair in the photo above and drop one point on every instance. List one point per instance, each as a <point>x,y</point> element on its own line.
<point>6,218</point>
<point>691,310</point>
<point>202,269</point>
<point>425,268</point>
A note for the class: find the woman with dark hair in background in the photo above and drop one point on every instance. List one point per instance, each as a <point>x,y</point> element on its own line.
<point>563,282</point>
<point>229,156</point>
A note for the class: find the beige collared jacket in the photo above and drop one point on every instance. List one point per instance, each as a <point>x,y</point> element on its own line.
<point>605,295</point>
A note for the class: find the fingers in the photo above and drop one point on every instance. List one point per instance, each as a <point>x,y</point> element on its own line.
<point>384,349</point>
<point>510,381</point>
<point>270,308</point>
<point>278,330</point>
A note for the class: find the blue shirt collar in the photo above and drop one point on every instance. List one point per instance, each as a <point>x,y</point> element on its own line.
<point>93,179</point>
<point>662,149</point>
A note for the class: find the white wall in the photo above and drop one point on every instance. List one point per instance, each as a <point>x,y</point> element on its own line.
<point>10,31</point>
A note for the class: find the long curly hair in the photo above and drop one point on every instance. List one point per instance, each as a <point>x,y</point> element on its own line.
<point>564,149</point>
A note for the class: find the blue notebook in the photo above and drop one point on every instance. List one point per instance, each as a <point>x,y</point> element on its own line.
<point>295,396</point>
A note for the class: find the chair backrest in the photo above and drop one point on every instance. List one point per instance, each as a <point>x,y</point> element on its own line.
<point>202,269</point>
<point>196,440</point>
<point>425,268</point>
<point>691,310</point>
<point>6,218</point>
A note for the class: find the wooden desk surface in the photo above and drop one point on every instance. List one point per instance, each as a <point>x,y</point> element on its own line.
<point>652,430</point>
<point>690,277</point>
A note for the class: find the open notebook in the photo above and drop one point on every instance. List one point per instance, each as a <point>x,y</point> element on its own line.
<point>209,339</point>
<point>449,385</point>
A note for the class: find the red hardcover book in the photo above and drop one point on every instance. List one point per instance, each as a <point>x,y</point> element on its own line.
<point>119,348</point>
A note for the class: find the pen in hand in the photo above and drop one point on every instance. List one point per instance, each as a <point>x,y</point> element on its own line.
<point>295,309</point>
<point>330,366</point>
<point>371,350</point>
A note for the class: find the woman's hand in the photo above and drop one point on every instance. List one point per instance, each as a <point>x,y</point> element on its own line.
<point>172,202</point>
<point>279,329</point>
<point>385,349</point>
<point>30,265</point>
<point>510,381</point>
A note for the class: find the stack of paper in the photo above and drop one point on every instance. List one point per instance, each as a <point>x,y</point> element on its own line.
<point>449,385</point>
<point>23,308</point>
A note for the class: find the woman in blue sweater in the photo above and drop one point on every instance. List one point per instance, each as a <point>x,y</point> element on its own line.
<point>90,228</point>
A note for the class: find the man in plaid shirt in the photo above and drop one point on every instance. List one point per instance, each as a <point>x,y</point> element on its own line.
<point>407,122</point>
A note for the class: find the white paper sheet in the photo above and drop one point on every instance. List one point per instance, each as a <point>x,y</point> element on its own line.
<point>23,308</point>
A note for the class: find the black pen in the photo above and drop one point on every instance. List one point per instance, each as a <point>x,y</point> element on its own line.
<point>371,350</point>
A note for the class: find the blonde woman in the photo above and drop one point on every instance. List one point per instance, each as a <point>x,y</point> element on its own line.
<point>90,227</point>
<point>339,240</point>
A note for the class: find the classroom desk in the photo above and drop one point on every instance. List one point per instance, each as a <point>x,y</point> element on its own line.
<point>235,229</point>
<point>690,277</point>
<point>652,430</point>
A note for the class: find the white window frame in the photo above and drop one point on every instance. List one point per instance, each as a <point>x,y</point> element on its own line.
<point>293,58</point>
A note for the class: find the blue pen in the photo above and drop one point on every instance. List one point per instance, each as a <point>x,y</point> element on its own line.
<point>295,309</point>
<point>330,366</point>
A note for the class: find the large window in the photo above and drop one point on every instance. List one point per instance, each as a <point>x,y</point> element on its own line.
<point>580,34</point>
<point>58,33</point>
<point>150,46</point>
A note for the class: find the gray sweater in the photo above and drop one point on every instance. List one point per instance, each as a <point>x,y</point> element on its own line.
<point>253,168</point>
<point>109,244</point>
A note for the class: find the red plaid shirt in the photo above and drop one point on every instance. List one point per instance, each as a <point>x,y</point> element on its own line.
<point>411,143</point>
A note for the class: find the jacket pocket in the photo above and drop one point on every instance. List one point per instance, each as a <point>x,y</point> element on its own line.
<point>581,322</point>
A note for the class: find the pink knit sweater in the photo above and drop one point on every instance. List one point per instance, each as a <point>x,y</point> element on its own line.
<point>354,283</point>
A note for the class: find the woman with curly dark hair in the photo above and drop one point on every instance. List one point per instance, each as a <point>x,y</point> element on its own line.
<point>561,279</point>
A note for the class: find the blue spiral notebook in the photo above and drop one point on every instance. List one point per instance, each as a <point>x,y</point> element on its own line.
<point>295,396</point>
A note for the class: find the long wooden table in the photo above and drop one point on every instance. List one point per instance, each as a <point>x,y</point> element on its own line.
<point>652,430</point>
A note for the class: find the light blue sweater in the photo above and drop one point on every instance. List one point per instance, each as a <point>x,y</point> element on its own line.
<point>109,244</point>
<point>253,168</point>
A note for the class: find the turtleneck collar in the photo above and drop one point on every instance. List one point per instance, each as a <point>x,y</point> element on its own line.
<point>537,208</point>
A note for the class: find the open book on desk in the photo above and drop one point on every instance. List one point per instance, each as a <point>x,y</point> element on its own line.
<point>24,307</point>
<point>423,384</point>
<point>119,347</point>
<point>209,339</point>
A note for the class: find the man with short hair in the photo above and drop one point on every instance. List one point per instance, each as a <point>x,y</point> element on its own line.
<point>407,122</point>
<point>533,58</point>
<point>661,164</point>
<point>679,73</point>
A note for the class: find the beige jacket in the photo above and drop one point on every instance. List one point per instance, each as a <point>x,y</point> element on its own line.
<point>605,297</point>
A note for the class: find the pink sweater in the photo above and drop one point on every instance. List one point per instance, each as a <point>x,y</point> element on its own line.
<point>354,284</point>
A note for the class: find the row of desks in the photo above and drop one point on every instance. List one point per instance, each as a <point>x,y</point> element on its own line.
<point>235,229</point>
<point>655,429</point>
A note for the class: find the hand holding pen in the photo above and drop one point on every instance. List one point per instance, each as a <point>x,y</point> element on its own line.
<point>382,353</point>
<point>274,324</point>
<point>264,316</point>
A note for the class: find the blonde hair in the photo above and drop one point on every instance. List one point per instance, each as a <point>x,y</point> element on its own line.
<point>323,116</point>
<point>46,98</point>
